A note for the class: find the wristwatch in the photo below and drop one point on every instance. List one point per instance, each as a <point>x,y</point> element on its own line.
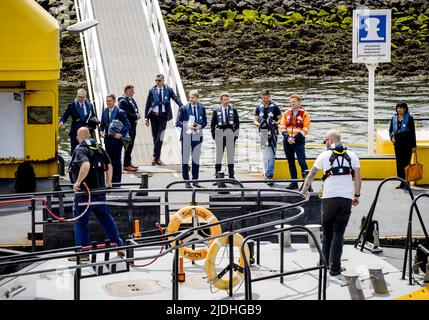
<point>357,195</point>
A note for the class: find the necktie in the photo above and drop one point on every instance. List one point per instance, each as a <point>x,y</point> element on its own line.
<point>110,115</point>
<point>195,112</point>
<point>226,116</point>
<point>160,100</point>
<point>83,108</point>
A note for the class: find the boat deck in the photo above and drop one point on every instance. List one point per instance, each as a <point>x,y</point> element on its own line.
<point>154,282</point>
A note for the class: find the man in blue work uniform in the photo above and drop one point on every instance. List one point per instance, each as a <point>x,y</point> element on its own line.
<point>113,143</point>
<point>158,111</point>
<point>129,105</point>
<point>80,110</point>
<point>192,119</point>
<point>91,164</point>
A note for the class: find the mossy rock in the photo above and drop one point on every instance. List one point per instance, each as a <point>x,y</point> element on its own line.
<point>404,19</point>
<point>228,14</point>
<point>412,43</point>
<point>422,18</point>
<point>251,16</point>
<point>342,10</point>
<point>322,13</point>
<point>297,18</point>
<point>347,20</point>
<point>311,13</point>
<point>204,42</point>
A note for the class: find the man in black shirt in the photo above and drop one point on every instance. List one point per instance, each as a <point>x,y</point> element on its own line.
<point>91,164</point>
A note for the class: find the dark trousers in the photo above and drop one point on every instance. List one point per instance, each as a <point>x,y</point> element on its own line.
<point>290,150</point>
<point>127,153</point>
<point>158,125</point>
<point>103,215</point>
<point>195,152</point>
<point>403,155</point>
<point>114,150</point>
<point>335,216</point>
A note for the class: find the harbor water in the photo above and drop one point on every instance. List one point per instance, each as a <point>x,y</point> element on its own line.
<point>322,99</point>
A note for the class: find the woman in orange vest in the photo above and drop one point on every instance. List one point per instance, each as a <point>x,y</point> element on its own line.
<point>295,124</point>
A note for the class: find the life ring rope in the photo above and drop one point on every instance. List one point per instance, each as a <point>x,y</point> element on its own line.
<point>215,278</point>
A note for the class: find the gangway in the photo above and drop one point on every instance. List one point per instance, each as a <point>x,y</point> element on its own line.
<point>130,45</point>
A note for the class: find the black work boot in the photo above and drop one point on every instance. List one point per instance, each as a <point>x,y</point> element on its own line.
<point>231,171</point>
<point>218,167</point>
<point>292,186</point>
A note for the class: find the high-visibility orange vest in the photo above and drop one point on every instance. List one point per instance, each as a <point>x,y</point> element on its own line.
<point>295,124</point>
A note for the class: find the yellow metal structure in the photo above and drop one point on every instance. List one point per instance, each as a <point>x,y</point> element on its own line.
<point>421,294</point>
<point>380,166</point>
<point>30,66</point>
<point>375,168</point>
<point>385,147</point>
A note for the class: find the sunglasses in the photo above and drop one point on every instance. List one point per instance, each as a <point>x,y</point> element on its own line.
<point>324,141</point>
<point>158,80</point>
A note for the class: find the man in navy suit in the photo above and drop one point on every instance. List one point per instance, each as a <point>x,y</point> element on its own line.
<point>129,105</point>
<point>113,143</point>
<point>192,119</point>
<point>80,110</point>
<point>158,111</point>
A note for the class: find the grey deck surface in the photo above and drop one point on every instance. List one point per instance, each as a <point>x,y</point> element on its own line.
<point>129,58</point>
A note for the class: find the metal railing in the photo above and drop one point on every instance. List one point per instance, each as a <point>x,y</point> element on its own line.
<point>94,67</point>
<point>179,238</point>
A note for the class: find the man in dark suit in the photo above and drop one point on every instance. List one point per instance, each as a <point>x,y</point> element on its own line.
<point>113,142</point>
<point>80,110</point>
<point>158,111</point>
<point>192,119</point>
<point>225,126</point>
<point>129,105</point>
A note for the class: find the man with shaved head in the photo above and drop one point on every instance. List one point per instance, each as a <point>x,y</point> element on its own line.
<point>341,190</point>
<point>90,164</point>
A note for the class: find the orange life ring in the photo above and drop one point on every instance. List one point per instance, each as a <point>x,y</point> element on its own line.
<point>201,213</point>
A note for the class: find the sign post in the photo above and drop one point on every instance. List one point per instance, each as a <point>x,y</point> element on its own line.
<point>371,45</point>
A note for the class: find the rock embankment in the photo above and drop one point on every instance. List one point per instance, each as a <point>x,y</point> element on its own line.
<point>256,40</point>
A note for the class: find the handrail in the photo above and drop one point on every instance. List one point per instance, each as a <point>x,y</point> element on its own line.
<point>409,247</point>
<point>365,228</point>
<point>95,66</point>
<point>163,50</point>
<point>322,262</point>
<point>176,239</point>
<point>86,64</point>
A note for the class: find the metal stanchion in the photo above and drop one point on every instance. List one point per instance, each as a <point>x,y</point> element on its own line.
<point>353,284</point>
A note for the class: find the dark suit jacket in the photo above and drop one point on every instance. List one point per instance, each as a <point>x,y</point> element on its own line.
<point>132,110</point>
<point>78,117</point>
<point>185,112</point>
<point>171,95</point>
<point>116,114</point>
<point>213,124</point>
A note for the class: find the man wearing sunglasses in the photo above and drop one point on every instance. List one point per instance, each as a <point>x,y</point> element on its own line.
<point>158,111</point>
<point>341,190</point>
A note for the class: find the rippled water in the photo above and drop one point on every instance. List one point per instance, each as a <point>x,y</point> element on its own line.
<point>323,99</point>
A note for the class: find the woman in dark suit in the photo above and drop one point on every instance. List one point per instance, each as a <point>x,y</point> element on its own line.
<point>403,135</point>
